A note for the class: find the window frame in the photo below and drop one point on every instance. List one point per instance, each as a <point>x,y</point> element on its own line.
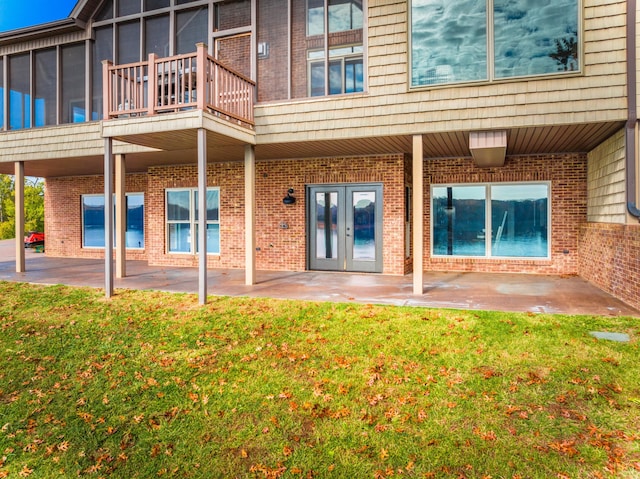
<point>488,221</point>
<point>192,222</point>
<point>491,76</point>
<point>97,195</point>
<point>316,57</point>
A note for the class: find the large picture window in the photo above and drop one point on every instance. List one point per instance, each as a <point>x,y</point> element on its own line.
<point>455,42</point>
<point>496,220</point>
<point>93,221</point>
<point>182,220</point>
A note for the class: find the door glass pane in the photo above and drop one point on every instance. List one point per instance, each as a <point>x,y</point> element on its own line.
<point>364,222</point>
<point>519,220</point>
<point>327,225</point>
<point>459,220</point>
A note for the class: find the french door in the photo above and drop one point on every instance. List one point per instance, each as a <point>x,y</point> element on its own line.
<point>345,227</point>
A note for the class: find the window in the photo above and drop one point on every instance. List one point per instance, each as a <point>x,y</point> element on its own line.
<point>73,83</point>
<point>182,220</point>
<point>344,15</point>
<point>45,108</point>
<point>156,32</point>
<point>19,97</point>
<point>483,40</point>
<point>191,28</point>
<point>496,220</point>
<point>345,71</point>
<point>93,221</point>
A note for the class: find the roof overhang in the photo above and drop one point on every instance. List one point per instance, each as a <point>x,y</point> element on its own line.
<point>45,30</point>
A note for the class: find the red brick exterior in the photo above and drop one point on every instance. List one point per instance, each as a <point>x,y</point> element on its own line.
<point>610,258</point>
<point>63,214</point>
<point>568,177</point>
<point>279,248</point>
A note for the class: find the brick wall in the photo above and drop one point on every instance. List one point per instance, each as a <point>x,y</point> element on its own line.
<point>229,177</point>
<point>63,214</point>
<point>280,248</point>
<point>567,174</point>
<point>610,258</point>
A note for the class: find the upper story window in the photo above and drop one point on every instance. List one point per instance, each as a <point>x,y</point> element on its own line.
<point>485,40</point>
<point>343,15</point>
<point>335,58</point>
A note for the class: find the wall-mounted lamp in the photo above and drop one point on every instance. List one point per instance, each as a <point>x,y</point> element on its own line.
<point>289,200</point>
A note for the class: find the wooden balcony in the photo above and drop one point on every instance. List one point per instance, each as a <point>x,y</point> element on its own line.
<point>175,84</point>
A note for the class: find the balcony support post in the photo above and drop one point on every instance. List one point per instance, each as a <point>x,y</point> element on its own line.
<point>249,214</point>
<point>202,215</point>
<point>418,214</point>
<point>19,212</point>
<point>108,217</point>
<point>121,217</point>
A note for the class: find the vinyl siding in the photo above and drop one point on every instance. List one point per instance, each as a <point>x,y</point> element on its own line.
<point>390,108</point>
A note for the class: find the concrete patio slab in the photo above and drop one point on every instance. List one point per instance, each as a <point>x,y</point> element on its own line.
<point>472,291</point>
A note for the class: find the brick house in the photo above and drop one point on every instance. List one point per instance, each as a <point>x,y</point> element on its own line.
<point>378,136</point>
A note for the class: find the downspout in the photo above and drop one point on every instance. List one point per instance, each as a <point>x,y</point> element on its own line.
<point>632,115</point>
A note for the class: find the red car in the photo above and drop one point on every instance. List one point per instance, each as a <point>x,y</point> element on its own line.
<point>33,239</point>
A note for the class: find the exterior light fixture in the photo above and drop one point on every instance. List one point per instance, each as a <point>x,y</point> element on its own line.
<point>289,200</point>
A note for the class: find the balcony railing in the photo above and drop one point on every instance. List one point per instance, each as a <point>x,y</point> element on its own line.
<point>177,83</point>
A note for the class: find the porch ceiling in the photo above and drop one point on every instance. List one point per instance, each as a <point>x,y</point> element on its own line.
<point>156,145</point>
<point>520,141</point>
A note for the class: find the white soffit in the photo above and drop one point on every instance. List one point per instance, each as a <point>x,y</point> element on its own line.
<point>488,148</point>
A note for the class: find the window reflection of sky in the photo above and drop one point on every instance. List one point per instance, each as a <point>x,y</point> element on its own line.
<point>449,39</point>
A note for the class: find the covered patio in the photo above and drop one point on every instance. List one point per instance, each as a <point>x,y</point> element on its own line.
<point>471,291</point>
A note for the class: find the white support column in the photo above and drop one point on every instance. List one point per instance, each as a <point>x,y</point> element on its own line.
<point>19,207</point>
<point>202,215</point>
<point>249,214</point>
<point>108,217</point>
<point>121,218</point>
<point>418,215</point>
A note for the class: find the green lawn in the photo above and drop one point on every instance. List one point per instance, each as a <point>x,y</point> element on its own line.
<point>153,385</point>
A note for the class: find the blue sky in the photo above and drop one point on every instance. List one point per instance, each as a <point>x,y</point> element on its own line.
<point>24,13</point>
